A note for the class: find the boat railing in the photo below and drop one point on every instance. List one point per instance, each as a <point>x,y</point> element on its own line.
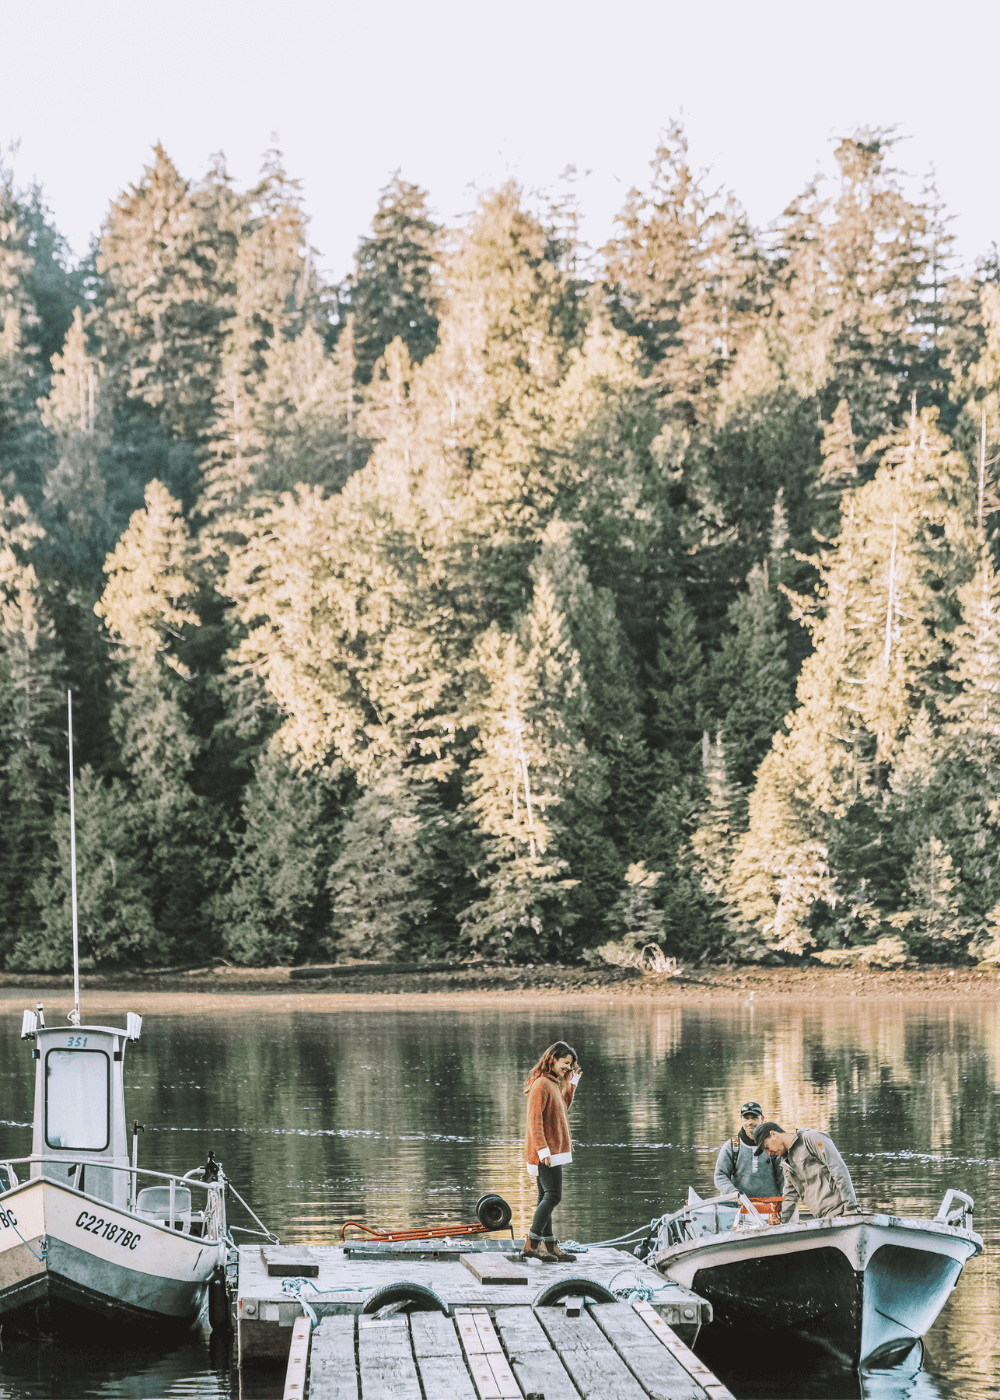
<point>673,1225</point>
<point>961,1215</point>
<point>214,1212</point>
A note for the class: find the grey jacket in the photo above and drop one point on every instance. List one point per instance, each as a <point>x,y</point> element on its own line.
<point>816,1177</point>
<point>738,1170</point>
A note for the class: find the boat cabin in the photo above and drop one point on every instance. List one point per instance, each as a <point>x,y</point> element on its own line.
<point>80,1130</point>
<point>79,1124</point>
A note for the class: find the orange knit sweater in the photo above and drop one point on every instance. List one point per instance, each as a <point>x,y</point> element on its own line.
<point>548,1139</point>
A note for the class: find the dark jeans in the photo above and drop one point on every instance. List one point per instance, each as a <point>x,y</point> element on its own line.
<point>549,1196</point>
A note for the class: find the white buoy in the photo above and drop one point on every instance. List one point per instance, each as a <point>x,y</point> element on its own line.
<point>74,1015</point>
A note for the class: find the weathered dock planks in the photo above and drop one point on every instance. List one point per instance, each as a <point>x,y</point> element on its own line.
<point>611,1351</point>
<point>335,1280</point>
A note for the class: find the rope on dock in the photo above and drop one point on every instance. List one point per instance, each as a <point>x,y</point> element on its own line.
<point>638,1290</point>
<point>294,1286</point>
<point>638,1232</point>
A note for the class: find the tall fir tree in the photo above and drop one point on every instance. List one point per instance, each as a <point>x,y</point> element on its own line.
<point>391,291</point>
<point>752,677</point>
<point>378,883</point>
<point>32,669</point>
<point>160,322</point>
<point>275,908</point>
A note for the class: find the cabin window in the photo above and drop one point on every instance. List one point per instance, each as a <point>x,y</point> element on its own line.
<point>77,1100</point>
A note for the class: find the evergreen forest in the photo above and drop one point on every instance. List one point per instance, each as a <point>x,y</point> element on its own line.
<point>509,599</point>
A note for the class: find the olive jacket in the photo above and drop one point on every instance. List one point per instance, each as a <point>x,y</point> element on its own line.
<point>816,1177</point>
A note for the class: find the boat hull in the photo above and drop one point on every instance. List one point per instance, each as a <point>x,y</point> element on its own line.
<point>68,1260</point>
<point>864,1289</point>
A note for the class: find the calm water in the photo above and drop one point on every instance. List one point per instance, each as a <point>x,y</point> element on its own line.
<point>407,1117</point>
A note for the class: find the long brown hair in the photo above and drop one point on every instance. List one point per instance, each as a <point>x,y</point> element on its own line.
<point>547,1064</point>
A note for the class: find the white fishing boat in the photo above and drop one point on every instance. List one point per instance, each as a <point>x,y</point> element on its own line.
<point>85,1233</point>
<point>865,1288</point>
<point>79,1235</point>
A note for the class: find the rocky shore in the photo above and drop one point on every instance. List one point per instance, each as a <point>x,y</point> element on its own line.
<point>357,982</point>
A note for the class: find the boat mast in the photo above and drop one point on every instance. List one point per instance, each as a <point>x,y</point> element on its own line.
<point>74,1015</point>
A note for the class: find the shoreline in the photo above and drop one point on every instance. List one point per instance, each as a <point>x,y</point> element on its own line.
<point>239,990</point>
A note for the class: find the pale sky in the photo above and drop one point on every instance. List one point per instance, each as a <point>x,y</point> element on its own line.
<point>460,96</point>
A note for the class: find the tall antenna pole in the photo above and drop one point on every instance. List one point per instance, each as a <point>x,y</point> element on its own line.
<point>74,1015</point>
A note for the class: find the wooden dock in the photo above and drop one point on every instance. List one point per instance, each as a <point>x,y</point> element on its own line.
<point>495,1327</point>
<point>606,1351</point>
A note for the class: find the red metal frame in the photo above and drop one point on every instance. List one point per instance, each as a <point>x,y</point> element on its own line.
<point>436,1232</point>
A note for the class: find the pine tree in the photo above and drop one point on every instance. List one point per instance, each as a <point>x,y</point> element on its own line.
<point>301,418</point>
<point>75,482</point>
<point>877,255</point>
<point>115,887</point>
<point>54,287</point>
<point>634,921</point>
<point>681,274</point>
<point>164,304</point>
<point>146,609</point>
<point>528,757</point>
<point>19,368</point>
<point>378,882</point>
<point>840,462</point>
<point>275,905</point>
<point>712,850</point>
<point>935,899</point>
<point>882,628</point>
<point>754,692</point>
<point>31,696</point>
<point>391,292</point>
<point>275,297</point>
<point>681,686</point>
<point>150,585</point>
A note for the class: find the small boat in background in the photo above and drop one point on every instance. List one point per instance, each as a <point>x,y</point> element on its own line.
<point>79,1239</point>
<point>865,1288</point>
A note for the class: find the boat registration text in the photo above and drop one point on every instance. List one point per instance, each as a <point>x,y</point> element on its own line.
<point>107,1229</point>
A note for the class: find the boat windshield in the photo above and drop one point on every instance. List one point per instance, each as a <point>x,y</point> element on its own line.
<point>77,1099</point>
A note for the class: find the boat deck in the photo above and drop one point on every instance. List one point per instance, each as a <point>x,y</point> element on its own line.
<point>498,1338</point>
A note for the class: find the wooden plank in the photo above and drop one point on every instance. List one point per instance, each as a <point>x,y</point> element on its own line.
<point>595,1367</point>
<point>298,1357</point>
<point>654,1366</point>
<point>333,1373</point>
<point>571,1333</point>
<point>446,1377</point>
<point>385,1357</point>
<point>709,1382</point>
<point>494,1380</point>
<point>433,1334</point>
<point>483,1378</point>
<point>521,1331</point>
<point>536,1366</point>
<point>289,1261</point>
<point>491,1343</point>
<point>493,1269</point>
<point>468,1331</point>
<point>542,1373</point>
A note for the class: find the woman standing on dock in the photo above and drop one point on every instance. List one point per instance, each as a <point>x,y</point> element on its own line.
<point>550,1088</point>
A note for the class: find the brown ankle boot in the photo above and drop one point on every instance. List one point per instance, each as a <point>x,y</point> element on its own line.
<point>561,1256</point>
<point>533,1249</point>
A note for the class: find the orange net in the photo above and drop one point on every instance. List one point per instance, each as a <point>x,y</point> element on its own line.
<point>768,1206</point>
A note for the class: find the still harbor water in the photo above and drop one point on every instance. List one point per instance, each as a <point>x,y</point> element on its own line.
<point>405,1117</point>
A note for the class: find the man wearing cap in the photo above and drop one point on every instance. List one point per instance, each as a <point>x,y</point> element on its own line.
<point>815,1173</point>
<point>738,1167</point>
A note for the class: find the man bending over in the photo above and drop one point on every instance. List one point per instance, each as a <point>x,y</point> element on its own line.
<point>815,1173</point>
